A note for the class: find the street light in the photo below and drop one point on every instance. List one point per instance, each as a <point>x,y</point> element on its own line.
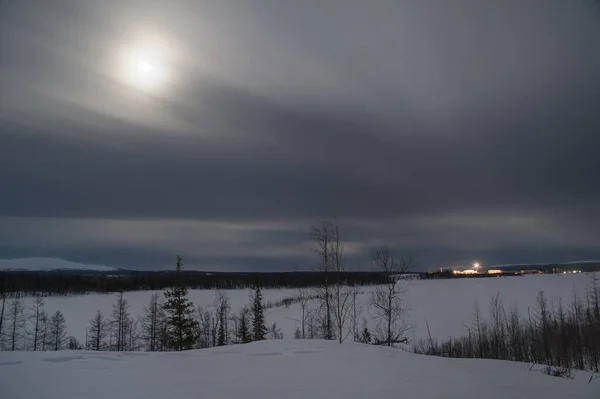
<point>476,265</point>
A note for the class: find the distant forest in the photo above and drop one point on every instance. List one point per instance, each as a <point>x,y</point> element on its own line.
<point>80,282</point>
<point>66,282</point>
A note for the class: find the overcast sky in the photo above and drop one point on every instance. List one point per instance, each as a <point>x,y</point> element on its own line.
<point>452,130</point>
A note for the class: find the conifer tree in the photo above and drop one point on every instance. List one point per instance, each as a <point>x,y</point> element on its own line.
<point>181,324</point>
<point>259,329</point>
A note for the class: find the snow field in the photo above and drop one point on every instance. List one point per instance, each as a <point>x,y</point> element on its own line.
<point>446,304</point>
<point>292,369</point>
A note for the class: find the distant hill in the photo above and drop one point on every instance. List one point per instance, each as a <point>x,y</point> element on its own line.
<point>48,264</point>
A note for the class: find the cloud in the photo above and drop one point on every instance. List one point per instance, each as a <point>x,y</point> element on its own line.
<point>449,130</point>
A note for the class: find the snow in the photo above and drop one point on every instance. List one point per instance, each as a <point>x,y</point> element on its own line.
<point>276,369</point>
<point>36,264</point>
<point>447,304</point>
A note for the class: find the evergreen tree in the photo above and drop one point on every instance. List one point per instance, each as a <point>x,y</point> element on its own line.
<point>258,322</point>
<point>182,326</point>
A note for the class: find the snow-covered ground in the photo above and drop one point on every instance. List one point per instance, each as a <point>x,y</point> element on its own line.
<point>276,369</point>
<point>446,304</point>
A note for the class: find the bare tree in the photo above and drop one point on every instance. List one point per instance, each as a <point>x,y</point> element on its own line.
<point>16,317</point>
<point>37,310</point>
<point>275,332</point>
<point>132,336</point>
<point>2,313</point>
<point>44,341</point>
<point>222,305</point>
<point>205,319</point>
<point>340,290</point>
<point>244,325</point>
<point>478,327</point>
<point>387,301</point>
<point>150,323</point>
<point>543,323</point>
<point>303,298</point>
<point>57,331</point>
<point>324,236</point>
<point>120,317</point>
<point>356,309</point>
<point>497,327</point>
<point>98,331</point>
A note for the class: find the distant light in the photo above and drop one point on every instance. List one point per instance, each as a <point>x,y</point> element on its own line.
<point>476,265</point>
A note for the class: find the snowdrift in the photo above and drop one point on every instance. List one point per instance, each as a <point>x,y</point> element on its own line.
<point>275,369</point>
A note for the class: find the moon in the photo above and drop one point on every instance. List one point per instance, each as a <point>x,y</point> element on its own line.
<point>144,66</point>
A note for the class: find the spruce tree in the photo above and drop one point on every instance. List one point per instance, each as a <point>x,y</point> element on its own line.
<point>258,323</point>
<point>181,324</point>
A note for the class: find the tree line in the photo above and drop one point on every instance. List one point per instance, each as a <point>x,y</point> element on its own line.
<point>169,323</point>
<point>54,283</point>
<point>562,336</point>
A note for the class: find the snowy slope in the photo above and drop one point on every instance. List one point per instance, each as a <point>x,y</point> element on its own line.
<point>275,369</point>
<point>47,264</point>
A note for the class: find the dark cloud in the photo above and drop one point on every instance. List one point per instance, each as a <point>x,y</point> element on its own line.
<point>453,132</point>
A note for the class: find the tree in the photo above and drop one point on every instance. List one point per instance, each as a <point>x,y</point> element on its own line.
<point>243,329</point>
<point>275,332</point>
<point>223,307</point>
<point>478,327</point>
<point>57,331</point>
<point>356,309</point>
<point>37,310</point>
<point>303,298</point>
<point>298,333</point>
<point>16,317</point>
<point>2,313</point>
<point>151,321</point>
<point>340,291</point>
<point>497,327</point>
<point>206,320</point>
<point>181,324</point>
<point>543,323</point>
<point>73,343</point>
<point>259,330</point>
<point>387,300</point>
<point>324,236</point>
<point>120,318</point>
<point>98,331</point>
<point>132,336</point>
<point>44,341</point>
